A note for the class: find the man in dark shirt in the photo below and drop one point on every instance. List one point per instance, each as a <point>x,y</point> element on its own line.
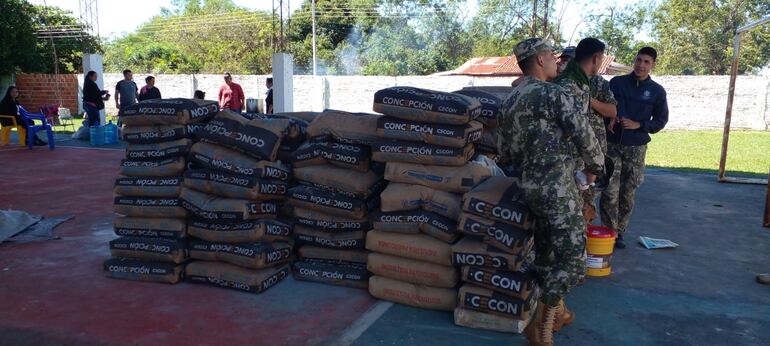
<point>642,110</point>
<point>149,91</point>
<point>126,93</point>
<point>269,98</point>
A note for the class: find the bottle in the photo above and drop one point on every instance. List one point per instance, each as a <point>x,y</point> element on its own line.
<point>97,135</point>
<point>110,133</point>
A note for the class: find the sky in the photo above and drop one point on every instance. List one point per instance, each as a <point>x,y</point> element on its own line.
<point>117,17</point>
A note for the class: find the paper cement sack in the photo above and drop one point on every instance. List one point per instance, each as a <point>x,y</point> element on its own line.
<point>482,320</point>
<point>323,201</point>
<point>412,271</point>
<point>153,207</point>
<point>169,111</point>
<point>343,126</point>
<point>498,199</point>
<point>339,180</point>
<point>416,221</point>
<point>491,104</point>
<point>130,269</point>
<point>329,254</point>
<point>331,272</point>
<point>350,156</point>
<point>148,186</point>
<point>502,236</point>
<point>232,276</point>
<point>455,136</point>
<point>155,134</point>
<point>255,231</point>
<point>258,138</point>
<point>420,296</point>
<point>233,185</point>
<point>321,221</point>
<point>520,284</point>
<point>150,227</point>
<point>427,106</point>
<point>402,197</point>
<point>471,252</point>
<point>415,246</point>
<point>219,158</point>
<point>351,240</point>
<point>158,151</point>
<point>153,168</point>
<point>485,300</point>
<point>426,154</point>
<point>451,179</point>
<point>150,249</point>
<point>249,255</point>
<point>215,209</point>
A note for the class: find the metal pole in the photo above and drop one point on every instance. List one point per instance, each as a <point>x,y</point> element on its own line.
<point>729,111</point>
<point>312,9</point>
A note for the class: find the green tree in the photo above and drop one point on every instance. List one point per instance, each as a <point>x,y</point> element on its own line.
<point>696,36</point>
<point>17,36</point>
<point>617,27</point>
<point>500,24</point>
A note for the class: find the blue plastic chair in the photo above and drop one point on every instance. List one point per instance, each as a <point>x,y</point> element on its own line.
<point>32,129</point>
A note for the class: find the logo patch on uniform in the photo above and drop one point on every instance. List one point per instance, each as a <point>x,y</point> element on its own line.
<point>646,94</point>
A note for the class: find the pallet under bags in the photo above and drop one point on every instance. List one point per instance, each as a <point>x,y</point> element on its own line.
<point>131,269</point>
<point>169,111</point>
<point>456,136</point>
<point>149,249</point>
<point>148,186</point>
<point>248,255</point>
<point>331,272</point>
<point>150,227</point>
<point>428,106</point>
<point>402,197</point>
<point>264,230</point>
<point>212,156</point>
<point>232,276</point>
<point>233,185</point>
<point>420,296</point>
<point>452,179</point>
<point>344,126</point>
<point>260,138</point>
<point>217,209</point>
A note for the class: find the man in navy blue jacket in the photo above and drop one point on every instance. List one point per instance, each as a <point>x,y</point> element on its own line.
<point>642,110</point>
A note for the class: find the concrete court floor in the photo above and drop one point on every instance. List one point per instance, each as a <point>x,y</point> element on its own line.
<point>53,293</point>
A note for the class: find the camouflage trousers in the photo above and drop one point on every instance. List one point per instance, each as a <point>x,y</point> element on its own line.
<point>559,230</point>
<point>617,201</point>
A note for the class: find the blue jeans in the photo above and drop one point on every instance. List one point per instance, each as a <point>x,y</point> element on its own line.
<point>93,114</point>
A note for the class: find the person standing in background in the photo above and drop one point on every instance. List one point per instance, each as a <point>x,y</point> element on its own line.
<point>93,98</point>
<point>149,91</point>
<point>231,95</point>
<point>269,98</point>
<point>126,93</point>
<point>199,95</point>
<point>642,110</point>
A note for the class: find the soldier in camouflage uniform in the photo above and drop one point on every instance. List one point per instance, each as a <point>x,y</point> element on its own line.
<point>539,133</point>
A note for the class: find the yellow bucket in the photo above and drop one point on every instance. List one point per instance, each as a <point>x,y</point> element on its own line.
<point>600,242</point>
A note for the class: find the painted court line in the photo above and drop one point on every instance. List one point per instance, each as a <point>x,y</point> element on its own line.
<point>359,326</point>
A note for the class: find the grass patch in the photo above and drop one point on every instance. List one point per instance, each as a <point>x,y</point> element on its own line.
<point>698,151</point>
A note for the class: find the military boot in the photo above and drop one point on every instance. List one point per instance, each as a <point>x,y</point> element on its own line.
<point>539,332</point>
<point>764,278</point>
<point>564,316</point>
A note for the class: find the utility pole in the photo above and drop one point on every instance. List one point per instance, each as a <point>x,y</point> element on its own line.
<point>312,9</point>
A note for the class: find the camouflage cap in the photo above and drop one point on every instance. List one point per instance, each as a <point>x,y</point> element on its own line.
<point>569,51</point>
<point>531,46</point>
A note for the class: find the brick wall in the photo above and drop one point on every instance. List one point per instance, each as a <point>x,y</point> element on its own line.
<point>36,90</point>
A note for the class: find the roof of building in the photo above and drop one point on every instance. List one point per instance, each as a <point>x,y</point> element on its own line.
<point>501,66</point>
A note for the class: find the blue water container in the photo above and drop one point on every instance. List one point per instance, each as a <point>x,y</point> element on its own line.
<point>97,135</point>
<point>110,133</point>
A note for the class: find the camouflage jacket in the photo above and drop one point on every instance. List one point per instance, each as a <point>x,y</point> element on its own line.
<point>600,90</point>
<point>540,134</point>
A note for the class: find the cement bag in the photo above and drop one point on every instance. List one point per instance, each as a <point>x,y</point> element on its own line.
<point>426,154</point>
<point>150,228</point>
<point>424,297</point>
<point>350,156</point>
<point>498,199</point>
<point>343,126</point>
<point>158,151</point>
<point>243,232</point>
<point>315,252</point>
<point>154,207</point>
<point>323,201</point>
<point>339,180</point>
<point>129,269</point>
<point>485,300</point>
<point>148,186</point>
<point>488,141</point>
<point>153,168</point>
<point>491,105</point>
<point>304,116</point>
<point>314,219</point>
<point>501,236</point>
<point>469,252</point>
<point>233,185</point>
<point>219,158</point>
<point>215,209</point>
<point>331,272</point>
<point>415,246</point>
<point>416,221</point>
<point>248,255</point>
<point>481,320</point>
<point>401,197</point>
<point>452,179</point>
<point>456,136</point>
<point>155,134</point>
<point>169,111</point>
<point>258,138</point>
<point>520,284</point>
<point>426,106</point>
<point>412,271</point>
<point>353,240</point>
<point>232,276</point>
<point>149,249</point>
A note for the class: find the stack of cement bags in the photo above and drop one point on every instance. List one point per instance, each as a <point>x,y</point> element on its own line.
<point>337,187</point>
<point>152,227</point>
<point>232,191</point>
<point>426,138</point>
<point>491,99</point>
<point>499,291</point>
